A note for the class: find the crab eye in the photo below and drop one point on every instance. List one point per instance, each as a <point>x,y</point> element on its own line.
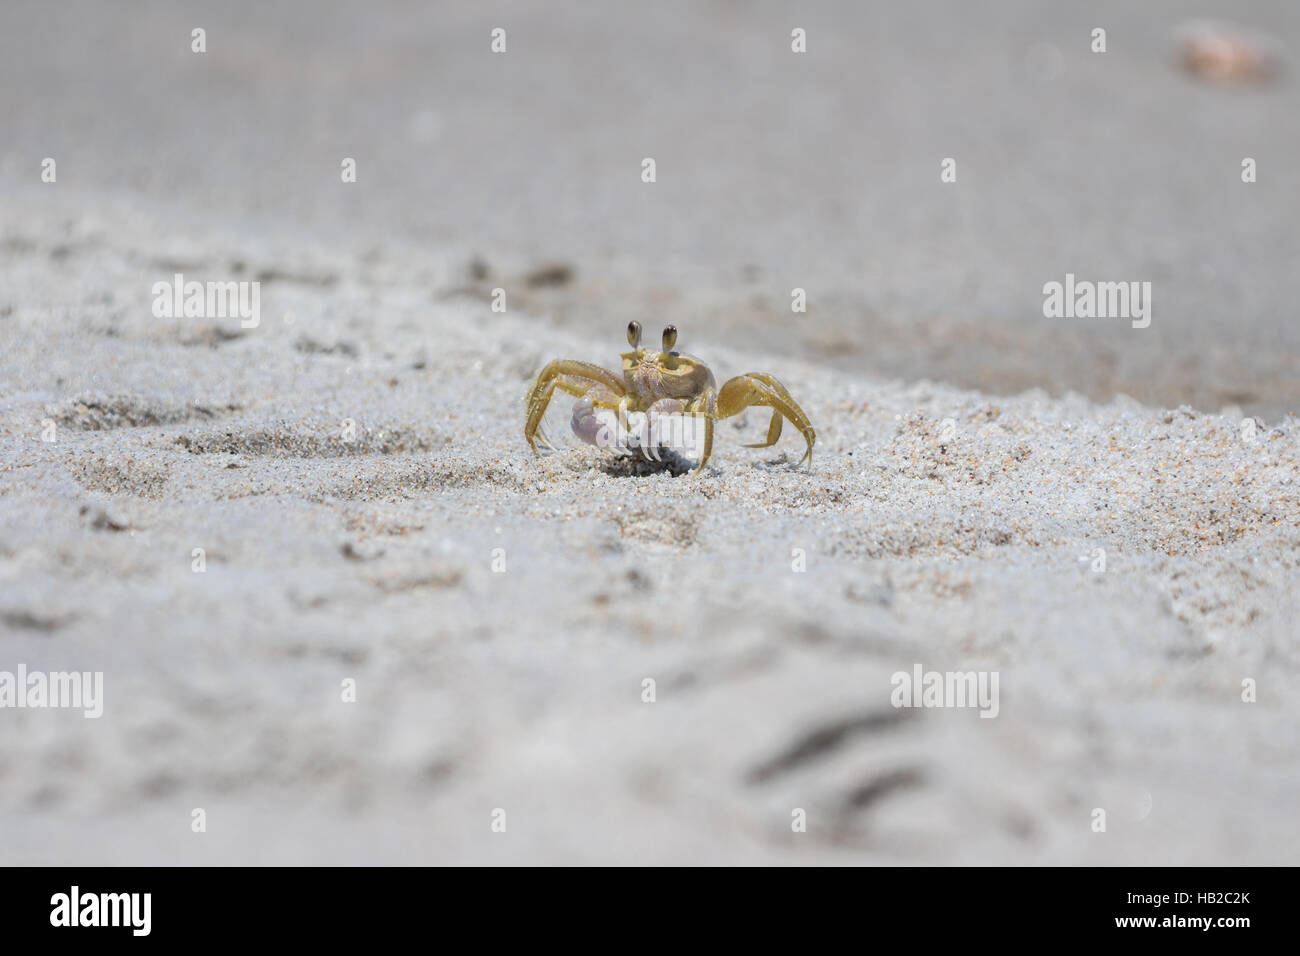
<point>670,338</point>
<point>634,334</point>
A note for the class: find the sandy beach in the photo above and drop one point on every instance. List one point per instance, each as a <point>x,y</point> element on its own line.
<point>341,608</point>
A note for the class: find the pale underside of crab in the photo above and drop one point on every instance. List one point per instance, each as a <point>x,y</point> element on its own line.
<point>662,397</point>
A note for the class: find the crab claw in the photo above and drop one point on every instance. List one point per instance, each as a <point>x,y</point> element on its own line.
<point>587,424</point>
<point>598,424</point>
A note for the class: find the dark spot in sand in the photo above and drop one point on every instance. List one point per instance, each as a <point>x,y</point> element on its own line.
<point>310,346</point>
<point>354,553</point>
<point>98,412</point>
<point>635,466</point>
<point>104,521</point>
<point>25,620</point>
<point>321,279</point>
<point>881,786</point>
<point>552,274</point>
<point>639,581</point>
<point>212,335</point>
<point>438,578</point>
<point>823,740</point>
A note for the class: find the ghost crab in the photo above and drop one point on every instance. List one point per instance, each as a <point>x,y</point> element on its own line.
<point>658,383</point>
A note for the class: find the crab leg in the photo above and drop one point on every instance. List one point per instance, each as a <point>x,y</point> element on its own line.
<point>739,393</point>
<point>574,386</point>
<point>774,426</point>
<point>759,388</point>
<point>707,407</point>
<point>570,376</point>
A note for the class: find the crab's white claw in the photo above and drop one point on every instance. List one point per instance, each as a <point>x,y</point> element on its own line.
<point>587,424</point>
<point>600,427</point>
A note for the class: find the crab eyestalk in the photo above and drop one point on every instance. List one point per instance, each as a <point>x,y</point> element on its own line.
<point>634,334</point>
<point>670,338</point>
